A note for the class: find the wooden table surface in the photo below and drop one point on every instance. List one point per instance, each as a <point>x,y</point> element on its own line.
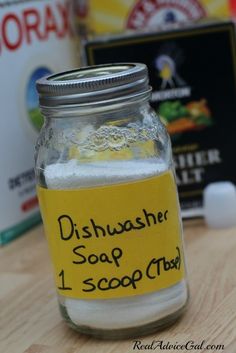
<point>30,321</point>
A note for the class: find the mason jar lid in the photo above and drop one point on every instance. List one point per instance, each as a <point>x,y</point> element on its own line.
<point>93,85</point>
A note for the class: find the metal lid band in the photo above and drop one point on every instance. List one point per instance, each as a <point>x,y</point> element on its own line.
<point>93,84</point>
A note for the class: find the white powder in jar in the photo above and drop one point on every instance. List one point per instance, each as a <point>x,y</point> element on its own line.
<point>123,312</point>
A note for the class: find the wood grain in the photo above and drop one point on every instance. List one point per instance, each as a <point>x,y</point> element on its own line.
<point>30,321</point>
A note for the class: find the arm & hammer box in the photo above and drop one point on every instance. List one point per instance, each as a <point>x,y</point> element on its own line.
<point>102,16</point>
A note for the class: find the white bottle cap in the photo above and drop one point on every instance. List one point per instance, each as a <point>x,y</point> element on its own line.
<point>219,202</point>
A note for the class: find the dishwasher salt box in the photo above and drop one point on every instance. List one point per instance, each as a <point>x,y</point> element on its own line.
<point>36,38</point>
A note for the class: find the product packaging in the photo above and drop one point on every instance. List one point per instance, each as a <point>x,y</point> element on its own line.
<point>193,75</point>
<point>102,16</point>
<point>36,38</point>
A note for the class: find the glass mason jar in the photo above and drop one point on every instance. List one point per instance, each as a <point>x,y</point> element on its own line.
<point>109,202</point>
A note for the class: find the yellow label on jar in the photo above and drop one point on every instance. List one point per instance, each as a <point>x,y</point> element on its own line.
<point>114,241</point>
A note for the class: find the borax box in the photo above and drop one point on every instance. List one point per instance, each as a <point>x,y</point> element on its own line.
<point>193,76</point>
<point>35,40</point>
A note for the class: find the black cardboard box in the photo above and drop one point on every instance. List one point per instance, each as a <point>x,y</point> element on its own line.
<point>193,75</point>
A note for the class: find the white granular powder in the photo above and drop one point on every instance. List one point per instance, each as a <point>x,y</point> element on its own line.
<point>73,175</point>
<point>123,312</point>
